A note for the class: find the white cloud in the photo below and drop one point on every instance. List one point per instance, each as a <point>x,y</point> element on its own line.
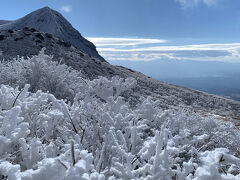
<point>135,49</point>
<point>193,3</point>
<point>101,41</point>
<point>198,47</point>
<point>67,8</point>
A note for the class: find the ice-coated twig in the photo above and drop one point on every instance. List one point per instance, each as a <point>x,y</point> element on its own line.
<point>73,153</point>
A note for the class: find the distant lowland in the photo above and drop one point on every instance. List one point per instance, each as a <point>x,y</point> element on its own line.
<point>223,86</point>
<point>219,78</point>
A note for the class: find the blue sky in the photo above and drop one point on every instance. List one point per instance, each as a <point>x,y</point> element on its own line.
<point>149,29</point>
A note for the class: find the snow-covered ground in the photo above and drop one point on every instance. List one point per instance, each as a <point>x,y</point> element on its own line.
<point>97,135</point>
<point>66,113</point>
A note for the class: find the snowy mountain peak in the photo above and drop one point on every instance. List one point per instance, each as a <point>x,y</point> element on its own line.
<point>51,21</point>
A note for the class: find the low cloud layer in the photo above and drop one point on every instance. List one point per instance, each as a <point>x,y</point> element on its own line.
<point>134,49</point>
<point>101,41</point>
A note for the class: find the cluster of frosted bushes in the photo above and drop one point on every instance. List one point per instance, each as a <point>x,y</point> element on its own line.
<point>41,72</point>
<point>94,134</point>
<point>98,136</point>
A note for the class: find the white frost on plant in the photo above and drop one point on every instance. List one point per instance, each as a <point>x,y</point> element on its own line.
<point>97,135</point>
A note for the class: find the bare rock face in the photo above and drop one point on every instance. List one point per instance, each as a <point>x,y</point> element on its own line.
<point>50,21</point>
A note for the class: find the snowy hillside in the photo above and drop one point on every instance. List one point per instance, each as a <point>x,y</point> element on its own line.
<point>28,42</point>
<point>99,136</point>
<point>50,21</point>
<point>67,115</point>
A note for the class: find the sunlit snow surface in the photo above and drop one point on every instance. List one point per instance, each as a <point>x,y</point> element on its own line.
<point>75,116</point>
<point>98,135</point>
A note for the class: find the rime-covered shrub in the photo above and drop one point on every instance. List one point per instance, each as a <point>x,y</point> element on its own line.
<point>98,136</point>
<point>41,72</point>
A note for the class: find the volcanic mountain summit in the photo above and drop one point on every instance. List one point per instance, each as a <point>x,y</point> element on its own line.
<point>50,21</point>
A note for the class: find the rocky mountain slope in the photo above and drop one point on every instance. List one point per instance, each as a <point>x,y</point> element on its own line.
<point>29,41</point>
<point>4,22</point>
<point>50,21</point>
